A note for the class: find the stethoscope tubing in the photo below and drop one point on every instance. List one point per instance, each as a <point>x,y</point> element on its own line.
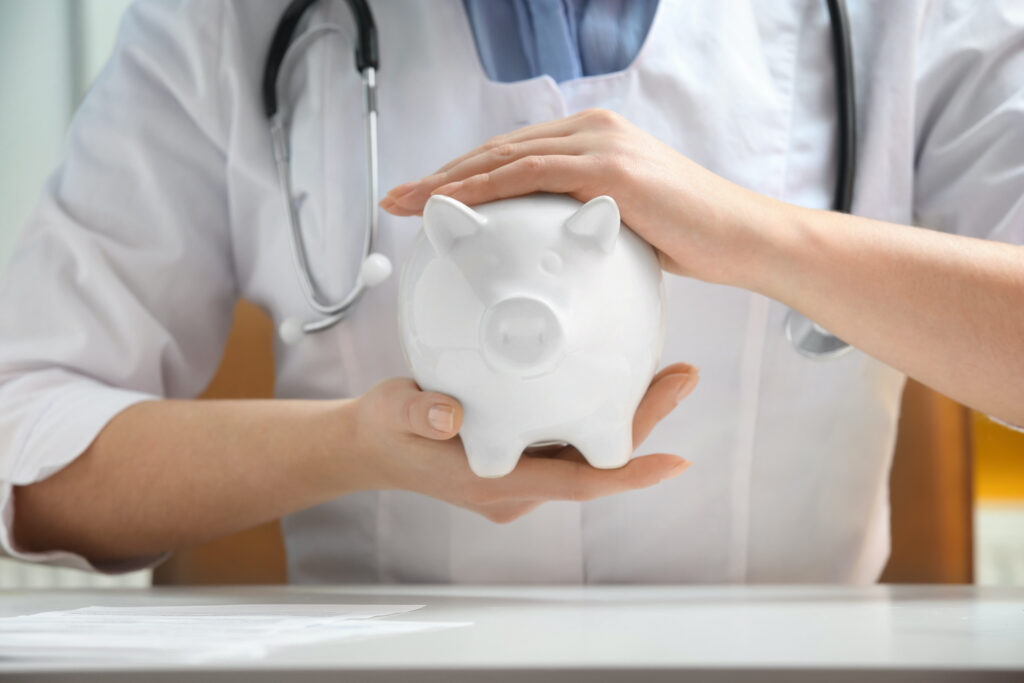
<point>282,51</point>
<point>846,105</point>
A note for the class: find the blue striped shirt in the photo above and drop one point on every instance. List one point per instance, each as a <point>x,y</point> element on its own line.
<point>566,39</point>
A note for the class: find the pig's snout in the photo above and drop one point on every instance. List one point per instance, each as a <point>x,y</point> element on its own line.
<point>521,336</point>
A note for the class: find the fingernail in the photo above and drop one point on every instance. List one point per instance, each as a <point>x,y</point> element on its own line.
<point>678,469</point>
<point>688,384</point>
<point>441,417</point>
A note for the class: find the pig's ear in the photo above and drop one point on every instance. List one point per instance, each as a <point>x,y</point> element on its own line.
<point>596,222</point>
<point>447,220</point>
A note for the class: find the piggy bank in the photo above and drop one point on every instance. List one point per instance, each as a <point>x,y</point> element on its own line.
<point>543,316</point>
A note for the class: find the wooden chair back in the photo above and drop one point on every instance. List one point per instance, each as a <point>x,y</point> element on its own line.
<point>253,556</point>
<point>931,492</point>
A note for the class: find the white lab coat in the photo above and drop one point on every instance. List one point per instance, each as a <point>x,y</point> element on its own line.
<point>167,208</point>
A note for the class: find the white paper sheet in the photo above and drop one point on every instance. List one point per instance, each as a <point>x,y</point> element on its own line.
<point>195,633</point>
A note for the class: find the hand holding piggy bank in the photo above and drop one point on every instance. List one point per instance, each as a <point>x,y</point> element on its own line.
<point>543,316</point>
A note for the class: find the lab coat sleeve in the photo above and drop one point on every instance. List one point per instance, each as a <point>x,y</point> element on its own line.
<point>969,171</point>
<point>121,286</point>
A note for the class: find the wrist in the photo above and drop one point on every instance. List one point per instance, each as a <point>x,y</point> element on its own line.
<point>774,248</point>
<point>340,449</point>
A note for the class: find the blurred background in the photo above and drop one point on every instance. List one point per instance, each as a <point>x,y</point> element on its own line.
<point>51,50</point>
<point>958,505</point>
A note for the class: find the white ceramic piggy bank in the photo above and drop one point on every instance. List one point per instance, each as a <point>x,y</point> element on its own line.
<point>543,316</point>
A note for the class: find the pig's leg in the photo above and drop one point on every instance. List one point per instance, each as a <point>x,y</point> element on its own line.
<point>608,448</point>
<point>490,453</point>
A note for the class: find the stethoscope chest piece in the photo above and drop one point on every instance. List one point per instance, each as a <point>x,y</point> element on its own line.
<point>811,339</point>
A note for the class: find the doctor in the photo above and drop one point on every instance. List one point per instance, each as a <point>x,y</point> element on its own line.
<point>116,306</point>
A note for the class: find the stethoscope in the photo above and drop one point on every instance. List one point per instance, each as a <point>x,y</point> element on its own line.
<point>807,337</point>
<point>375,267</point>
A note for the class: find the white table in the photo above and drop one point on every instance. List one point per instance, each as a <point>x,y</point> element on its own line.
<point>793,633</point>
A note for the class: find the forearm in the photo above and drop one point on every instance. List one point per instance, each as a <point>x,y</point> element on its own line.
<point>168,474</point>
<point>946,310</point>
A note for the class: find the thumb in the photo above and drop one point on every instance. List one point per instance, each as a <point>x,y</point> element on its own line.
<point>425,413</point>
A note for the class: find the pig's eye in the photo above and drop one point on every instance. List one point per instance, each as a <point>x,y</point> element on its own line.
<point>551,263</point>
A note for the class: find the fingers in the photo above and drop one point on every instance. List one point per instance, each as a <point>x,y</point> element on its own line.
<point>557,137</point>
<point>507,499</point>
<point>557,173</point>
<point>546,129</point>
<point>404,407</point>
<point>441,470</point>
<point>483,160</point>
<point>551,173</point>
<point>668,388</point>
<point>561,479</point>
